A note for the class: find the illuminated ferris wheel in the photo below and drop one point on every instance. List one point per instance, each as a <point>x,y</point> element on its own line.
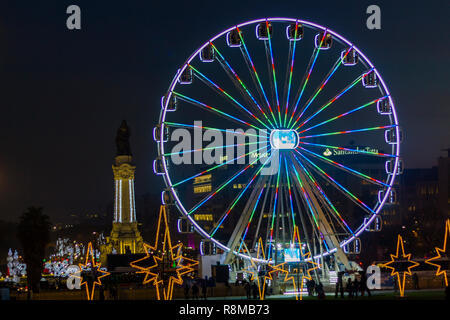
<point>283,131</point>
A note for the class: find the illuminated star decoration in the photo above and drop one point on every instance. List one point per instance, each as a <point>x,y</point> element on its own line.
<point>305,256</point>
<point>96,272</point>
<point>181,264</point>
<point>253,270</point>
<point>394,259</point>
<point>444,250</point>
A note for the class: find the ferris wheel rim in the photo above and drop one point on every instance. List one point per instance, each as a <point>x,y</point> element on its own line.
<point>166,176</point>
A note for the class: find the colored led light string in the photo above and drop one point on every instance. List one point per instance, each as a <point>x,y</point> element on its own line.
<point>345,167</point>
<point>329,103</point>
<point>215,167</point>
<point>290,193</point>
<point>317,51</point>
<point>196,102</point>
<point>290,74</point>
<point>337,183</point>
<point>274,209</point>
<point>202,76</point>
<point>238,198</point>
<point>222,186</point>
<point>305,194</point>
<point>211,148</point>
<point>324,195</point>
<point>330,74</point>
<point>242,84</point>
<point>273,71</point>
<point>348,131</point>
<point>344,114</point>
<point>256,74</point>
<point>251,218</point>
<point>350,150</point>
<point>175,124</point>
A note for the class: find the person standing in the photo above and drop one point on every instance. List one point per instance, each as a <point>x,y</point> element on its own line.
<point>195,291</point>
<point>355,286</point>
<point>186,290</point>
<point>349,288</point>
<point>320,291</point>
<point>415,279</point>
<point>204,288</point>
<point>255,291</point>
<point>247,289</point>
<point>339,285</point>
<point>363,285</point>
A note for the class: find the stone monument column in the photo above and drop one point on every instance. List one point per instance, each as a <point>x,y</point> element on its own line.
<point>125,237</point>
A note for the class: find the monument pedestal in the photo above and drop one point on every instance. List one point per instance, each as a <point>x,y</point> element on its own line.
<point>125,237</point>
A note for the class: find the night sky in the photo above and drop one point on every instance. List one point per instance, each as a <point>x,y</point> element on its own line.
<point>63,93</point>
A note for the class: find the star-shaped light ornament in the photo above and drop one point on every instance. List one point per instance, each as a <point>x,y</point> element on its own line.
<point>169,264</point>
<point>304,257</point>
<point>400,259</point>
<point>255,269</point>
<point>95,273</point>
<point>444,251</point>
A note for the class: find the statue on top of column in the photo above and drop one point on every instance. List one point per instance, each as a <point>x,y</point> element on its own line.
<point>122,140</point>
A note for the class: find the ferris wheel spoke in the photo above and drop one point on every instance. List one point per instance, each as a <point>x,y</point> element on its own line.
<point>274,209</point>
<point>291,205</point>
<point>268,186</point>
<point>251,218</point>
<point>212,109</point>
<point>327,200</point>
<point>215,167</point>
<point>287,214</point>
<point>348,131</point>
<point>184,125</point>
<point>307,75</point>
<point>338,186</point>
<point>307,200</point>
<point>343,114</point>
<point>345,168</point>
<point>334,68</point>
<point>254,73</point>
<point>290,71</point>
<point>298,200</point>
<point>365,152</point>
<point>222,186</point>
<point>210,148</point>
<point>226,95</point>
<point>340,94</point>
<point>271,67</point>
<point>239,83</point>
<point>236,200</point>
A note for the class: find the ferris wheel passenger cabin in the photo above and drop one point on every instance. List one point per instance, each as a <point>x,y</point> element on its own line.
<point>186,76</point>
<point>292,34</point>
<point>207,54</point>
<point>350,58</point>
<point>261,31</point>
<point>233,38</point>
<point>323,43</point>
<point>370,79</point>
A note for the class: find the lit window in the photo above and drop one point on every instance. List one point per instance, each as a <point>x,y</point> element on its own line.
<point>202,179</point>
<point>202,189</point>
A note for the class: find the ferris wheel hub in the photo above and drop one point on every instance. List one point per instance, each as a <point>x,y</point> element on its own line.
<point>284,139</point>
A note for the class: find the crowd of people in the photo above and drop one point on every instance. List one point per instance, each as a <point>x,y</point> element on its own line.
<point>353,285</point>
<point>198,288</point>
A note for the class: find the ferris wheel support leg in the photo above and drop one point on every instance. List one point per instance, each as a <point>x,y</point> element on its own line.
<point>235,238</point>
<point>328,233</point>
